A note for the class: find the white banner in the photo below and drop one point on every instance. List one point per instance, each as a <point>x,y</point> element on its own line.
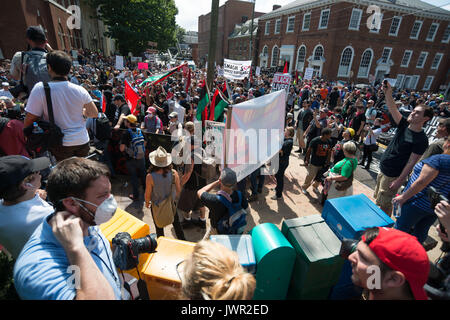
<point>236,70</point>
<point>308,73</point>
<point>179,109</point>
<point>281,81</point>
<point>256,133</point>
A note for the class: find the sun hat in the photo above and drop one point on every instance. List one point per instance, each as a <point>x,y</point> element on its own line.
<point>160,158</point>
<point>402,252</point>
<point>131,118</point>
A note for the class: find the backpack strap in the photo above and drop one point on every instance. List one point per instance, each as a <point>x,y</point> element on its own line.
<point>49,103</point>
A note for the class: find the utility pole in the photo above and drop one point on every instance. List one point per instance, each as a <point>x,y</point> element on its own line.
<point>212,42</point>
<point>251,33</point>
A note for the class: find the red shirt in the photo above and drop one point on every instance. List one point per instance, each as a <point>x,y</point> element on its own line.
<point>12,139</point>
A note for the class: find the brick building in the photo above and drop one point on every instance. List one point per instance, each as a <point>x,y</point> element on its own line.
<point>411,42</point>
<point>16,16</point>
<point>239,41</point>
<point>230,14</point>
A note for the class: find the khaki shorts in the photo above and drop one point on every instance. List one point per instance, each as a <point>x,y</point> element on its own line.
<point>383,194</point>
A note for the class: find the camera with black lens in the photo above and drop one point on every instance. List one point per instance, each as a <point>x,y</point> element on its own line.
<point>126,253</point>
<point>348,246</point>
<point>435,197</point>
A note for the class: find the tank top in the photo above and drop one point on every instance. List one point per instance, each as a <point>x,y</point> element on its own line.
<point>161,187</point>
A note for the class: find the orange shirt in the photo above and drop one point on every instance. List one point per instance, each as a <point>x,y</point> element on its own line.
<point>324,93</point>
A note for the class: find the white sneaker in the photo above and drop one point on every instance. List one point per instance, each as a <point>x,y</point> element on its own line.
<point>303,190</point>
<point>274,197</point>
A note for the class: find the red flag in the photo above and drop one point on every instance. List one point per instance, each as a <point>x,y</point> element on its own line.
<point>285,68</point>
<point>131,96</point>
<point>213,105</point>
<point>103,103</point>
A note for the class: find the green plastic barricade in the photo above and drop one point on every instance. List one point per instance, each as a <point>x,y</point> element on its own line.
<point>274,262</point>
<point>318,264</point>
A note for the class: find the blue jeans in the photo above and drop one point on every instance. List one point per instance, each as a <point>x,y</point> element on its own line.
<point>136,170</point>
<point>415,221</point>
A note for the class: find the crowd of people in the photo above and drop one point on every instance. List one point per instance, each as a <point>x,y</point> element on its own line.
<point>54,198</point>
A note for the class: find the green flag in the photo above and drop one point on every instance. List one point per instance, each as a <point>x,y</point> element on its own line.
<point>202,104</point>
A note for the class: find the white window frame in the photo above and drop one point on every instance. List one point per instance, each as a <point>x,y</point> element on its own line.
<point>293,25</point>
<point>350,64</point>
<point>267,56</point>
<point>381,24</point>
<point>389,56</point>
<point>314,52</point>
<point>426,88</point>
<point>403,58</point>
<point>398,27</point>
<point>271,57</point>
<point>359,19</point>
<point>418,30</point>
<point>415,81</point>
<point>446,32</point>
<point>304,18</point>
<point>435,32</point>
<point>368,66</point>
<point>277,22</point>
<point>424,60</point>
<point>440,55</point>
<point>399,82</point>
<point>320,20</point>
<point>298,53</point>
<point>267,29</point>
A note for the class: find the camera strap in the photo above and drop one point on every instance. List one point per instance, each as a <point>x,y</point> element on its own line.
<point>141,285</point>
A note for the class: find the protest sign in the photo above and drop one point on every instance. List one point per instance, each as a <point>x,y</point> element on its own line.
<point>258,71</point>
<point>214,132</point>
<point>119,63</point>
<point>236,70</point>
<point>179,109</point>
<point>308,73</point>
<point>142,66</point>
<point>391,81</point>
<point>281,81</point>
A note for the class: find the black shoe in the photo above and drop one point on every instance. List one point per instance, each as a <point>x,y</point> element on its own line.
<point>298,151</point>
<point>253,197</point>
<point>367,167</point>
<point>200,223</point>
<point>259,190</point>
<point>361,163</point>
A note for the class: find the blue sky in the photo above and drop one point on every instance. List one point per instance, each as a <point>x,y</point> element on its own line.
<point>190,10</point>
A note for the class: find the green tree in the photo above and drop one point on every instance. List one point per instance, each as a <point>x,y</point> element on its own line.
<point>132,23</point>
<point>180,33</point>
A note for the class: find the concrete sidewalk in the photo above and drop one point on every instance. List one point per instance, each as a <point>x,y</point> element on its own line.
<point>294,203</point>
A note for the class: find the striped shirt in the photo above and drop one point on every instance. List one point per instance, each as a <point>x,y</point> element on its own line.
<point>440,162</point>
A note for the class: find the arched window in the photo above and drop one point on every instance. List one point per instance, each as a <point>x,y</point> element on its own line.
<point>275,56</point>
<point>265,51</point>
<point>318,53</point>
<point>346,62</point>
<point>61,37</point>
<point>265,54</point>
<point>366,61</point>
<point>301,56</point>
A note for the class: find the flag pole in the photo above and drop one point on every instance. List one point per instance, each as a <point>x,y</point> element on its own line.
<point>227,135</point>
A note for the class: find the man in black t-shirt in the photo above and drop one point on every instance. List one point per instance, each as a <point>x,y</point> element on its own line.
<point>333,98</point>
<point>303,120</point>
<point>316,126</point>
<point>122,109</point>
<point>402,153</point>
<point>284,154</point>
<point>358,122</point>
<point>217,210</point>
<point>317,157</point>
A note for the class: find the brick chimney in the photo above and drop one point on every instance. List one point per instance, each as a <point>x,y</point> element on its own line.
<point>275,7</point>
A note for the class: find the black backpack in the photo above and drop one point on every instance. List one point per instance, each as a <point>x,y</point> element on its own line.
<point>103,130</point>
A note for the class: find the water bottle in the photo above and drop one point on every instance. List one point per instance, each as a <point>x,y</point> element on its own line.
<point>36,128</point>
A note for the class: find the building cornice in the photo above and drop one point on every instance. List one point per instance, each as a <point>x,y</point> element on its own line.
<point>56,4</point>
<point>387,6</point>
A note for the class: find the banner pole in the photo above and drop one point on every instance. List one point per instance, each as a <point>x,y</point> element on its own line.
<point>227,135</point>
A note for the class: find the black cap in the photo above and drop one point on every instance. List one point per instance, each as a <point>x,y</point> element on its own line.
<point>36,33</point>
<point>13,169</point>
<point>118,97</point>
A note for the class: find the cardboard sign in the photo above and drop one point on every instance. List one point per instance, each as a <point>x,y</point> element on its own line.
<point>281,81</point>
<point>308,73</point>
<point>236,70</point>
<point>119,63</point>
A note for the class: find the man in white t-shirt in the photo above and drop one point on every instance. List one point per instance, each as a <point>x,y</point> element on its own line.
<point>71,105</point>
<point>21,207</point>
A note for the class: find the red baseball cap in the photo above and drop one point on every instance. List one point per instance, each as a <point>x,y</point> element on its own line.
<point>402,252</point>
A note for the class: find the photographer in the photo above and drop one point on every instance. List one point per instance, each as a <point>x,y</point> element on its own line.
<point>69,239</point>
<point>417,213</point>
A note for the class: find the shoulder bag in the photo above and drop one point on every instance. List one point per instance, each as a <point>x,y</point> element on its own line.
<point>344,185</point>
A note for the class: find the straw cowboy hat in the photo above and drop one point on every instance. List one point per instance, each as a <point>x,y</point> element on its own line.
<point>160,158</point>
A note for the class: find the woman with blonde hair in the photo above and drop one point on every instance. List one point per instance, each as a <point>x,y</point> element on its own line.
<point>213,272</point>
